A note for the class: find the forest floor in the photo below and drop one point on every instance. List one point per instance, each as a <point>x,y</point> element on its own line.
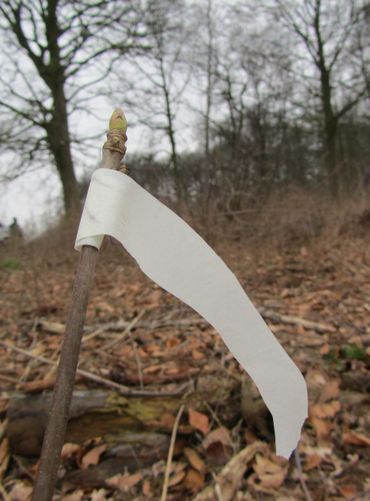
<point>315,298</point>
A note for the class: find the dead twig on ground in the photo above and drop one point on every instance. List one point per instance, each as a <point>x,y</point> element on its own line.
<point>124,390</point>
<point>4,494</point>
<point>170,454</point>
<point>274,317</point>
<point>302,481</point>
<point>126,332</point>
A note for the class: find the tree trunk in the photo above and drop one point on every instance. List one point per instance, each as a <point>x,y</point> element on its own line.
<point>330,133</point>
<point>331,156</point>
<point>60,146</point>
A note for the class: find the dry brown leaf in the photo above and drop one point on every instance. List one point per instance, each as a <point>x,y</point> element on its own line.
<point>354,438</point>
<point>172,342</point>
<point>69,450</point>
<point>218,446</point>
<point>153,368</point>
<point>197,355</point>
<point>176,478</point>
<point>348,491</point>
<point>93,456</point>
<point>218,435</point>
<point>325,349</point>
<point>147,489</point>
<point>52,327</point>
<point>38,385</point>
<point>124,482</point>
<point>312,462</point>
<point>218,453</point>
<point>100,495</point>
<point>199,421</point>
<point>229,479</point>
<point>271,474</point>
<point>322,428</point>
<point>172,370</point>
<point>75,496</point>
<point>196,462</point>
<point>325,410</point>
<point>4,457</point>
<point>330,391</point>
<point>194,480</point>
<point>21,492</point>
<point>167,420</point>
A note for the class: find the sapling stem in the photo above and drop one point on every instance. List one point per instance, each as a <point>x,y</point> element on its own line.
<point>113,152</point>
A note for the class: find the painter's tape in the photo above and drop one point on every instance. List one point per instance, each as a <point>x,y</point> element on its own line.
<point>172,254</point>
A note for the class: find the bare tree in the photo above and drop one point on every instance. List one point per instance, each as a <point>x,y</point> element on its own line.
<point>328,32</point>
<point>161,76</point>
<point>51,50</point>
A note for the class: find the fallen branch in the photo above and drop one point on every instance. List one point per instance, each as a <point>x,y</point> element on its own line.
<point>293,320</point>
<point>124,390</point>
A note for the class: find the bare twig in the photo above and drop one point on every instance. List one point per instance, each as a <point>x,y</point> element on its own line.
<point>127,331</point>
<point>8,379</point>
<point>170,454</point>
<point>302,481</point>
<point>124,390</point>
<point>4,494</point>
<point>293,320</point>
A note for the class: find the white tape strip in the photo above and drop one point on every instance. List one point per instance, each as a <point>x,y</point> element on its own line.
<point>180,261</point>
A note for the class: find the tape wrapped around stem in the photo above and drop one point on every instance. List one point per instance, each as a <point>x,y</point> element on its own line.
<point>174,256</point>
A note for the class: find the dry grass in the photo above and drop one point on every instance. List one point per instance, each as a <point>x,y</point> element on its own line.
<point>289,219</point>
<point>295,217</point>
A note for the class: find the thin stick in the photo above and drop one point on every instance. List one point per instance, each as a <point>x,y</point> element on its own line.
<point>302,481</point>
<point>170,454</point>
<point>4,494</point>
<point>122,335</point>
<point>124,390</point>
<point>113,152</point>
<point>58,417</point>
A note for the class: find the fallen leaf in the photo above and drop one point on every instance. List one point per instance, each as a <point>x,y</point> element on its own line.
<point>330,391</point>
<point>147,489</point>
<point>325,410</point>
<point>93,456</point>
<point>348,491</point>
<point>69,450</point>
<point>124,482</point>
<point>176,478</point>
<point>4,457</point>
<point>38,385</point>
<point>52,327</point>
<point>21,492</point>
<point>172,342</point>
<point>218,446</point>
<point>354,438</point>
<point>75,496</point>
<point>324,350</point>
<point>218,435</point>
<point>218,453</point>
<point>322,428</point>
<point>167,420</point>
<point>312,462</point>
<point>100,495</point>
<point>194,480</point>
<point>199,421</point>
<point>197,355</point>
<point>196,462</point>
<point>271,474</point>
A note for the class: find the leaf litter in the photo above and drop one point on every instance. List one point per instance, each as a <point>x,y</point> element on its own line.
<point>316,301</point>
